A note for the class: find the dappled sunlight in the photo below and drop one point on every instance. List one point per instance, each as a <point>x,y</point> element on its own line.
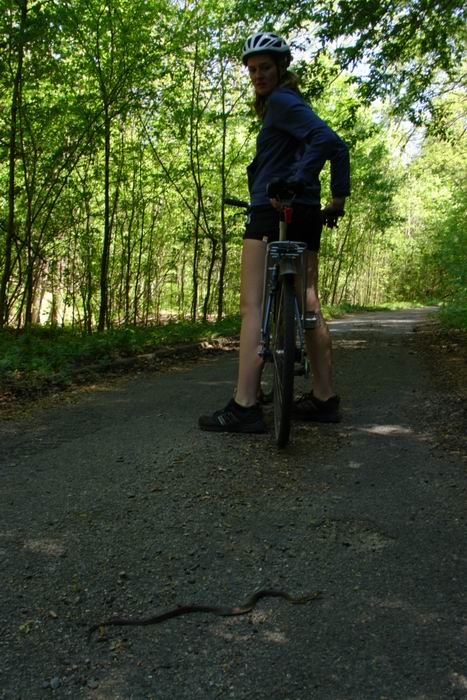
<point>420,617</point>
<point>373,322</point>
<point>43,545</point>
<point>259,617</point>
<point>227,629</point>
<point>361,535</point>
<point>385,322</point>
<point>458,680</point>
<point>356,344</point>
<point>50,547</point>
<point>387,430</point>
<point>114,685</point>
<point>276,637</point>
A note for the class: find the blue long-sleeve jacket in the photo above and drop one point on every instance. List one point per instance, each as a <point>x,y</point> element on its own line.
<point>295,142</point>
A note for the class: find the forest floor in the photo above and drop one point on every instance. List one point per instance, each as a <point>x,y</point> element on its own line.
<point>112,502</point>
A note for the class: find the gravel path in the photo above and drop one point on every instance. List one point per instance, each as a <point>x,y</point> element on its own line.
<point>113,503</point>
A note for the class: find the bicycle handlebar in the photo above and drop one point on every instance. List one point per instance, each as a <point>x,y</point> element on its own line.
<point>286,189</point>
<point>236,203</point>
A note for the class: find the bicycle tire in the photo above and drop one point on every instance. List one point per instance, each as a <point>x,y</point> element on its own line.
<point>266,387</point>
<point>283,353</point>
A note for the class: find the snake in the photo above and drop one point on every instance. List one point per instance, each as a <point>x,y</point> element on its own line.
<point>247,607</point>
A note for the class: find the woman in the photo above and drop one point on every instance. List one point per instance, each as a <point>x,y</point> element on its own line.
<point>293,143</point>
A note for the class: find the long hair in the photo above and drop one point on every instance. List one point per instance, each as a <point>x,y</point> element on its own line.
<point>287,79</point>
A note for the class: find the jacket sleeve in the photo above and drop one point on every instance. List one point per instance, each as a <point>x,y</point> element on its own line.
<point>319,142</point>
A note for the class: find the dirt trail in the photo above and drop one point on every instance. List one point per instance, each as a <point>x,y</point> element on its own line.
<point>115,504</point>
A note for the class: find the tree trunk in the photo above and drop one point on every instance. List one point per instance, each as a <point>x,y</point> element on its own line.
<point>194,297</point>
<point>10,234</point>
<point>223,260</point>
<point>104,302</point>
<point>139,264</point>
<point>209,280</point>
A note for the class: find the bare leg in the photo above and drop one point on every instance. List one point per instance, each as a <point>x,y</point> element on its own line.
<point>318,340</point>
<point>251,300</point>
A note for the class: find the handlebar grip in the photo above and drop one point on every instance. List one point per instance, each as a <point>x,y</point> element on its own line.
<point>337,213</point>
<point>236,203</point>
<point>330,217</point>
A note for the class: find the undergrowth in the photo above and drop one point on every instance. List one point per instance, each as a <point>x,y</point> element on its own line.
<point>44,356</point>
<point>454,317</point>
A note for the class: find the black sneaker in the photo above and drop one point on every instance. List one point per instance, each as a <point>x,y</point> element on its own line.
<point>234,419</point>
<point>308,407</point>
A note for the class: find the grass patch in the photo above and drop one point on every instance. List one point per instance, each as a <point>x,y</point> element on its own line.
<point>45,357</point>
<point>454,317</point>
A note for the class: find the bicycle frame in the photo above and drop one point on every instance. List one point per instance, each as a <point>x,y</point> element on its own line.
<point>284,257</point>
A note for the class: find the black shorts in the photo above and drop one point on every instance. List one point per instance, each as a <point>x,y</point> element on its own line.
<point>263,225</point>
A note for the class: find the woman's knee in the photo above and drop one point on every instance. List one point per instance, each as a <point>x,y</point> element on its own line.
<point>312,300</point>
<point>249,307</point>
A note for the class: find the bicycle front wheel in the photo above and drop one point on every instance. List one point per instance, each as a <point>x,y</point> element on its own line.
<point>283,356</point>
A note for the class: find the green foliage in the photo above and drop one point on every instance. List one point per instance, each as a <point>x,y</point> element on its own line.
<point>47,356</point>
<point>454,316</point>
<point>133,123</point>
<point>409,51</point>
<point>406,45</point>
<point>431,245</point>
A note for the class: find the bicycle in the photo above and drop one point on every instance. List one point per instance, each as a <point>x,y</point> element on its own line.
<point>283,346</point>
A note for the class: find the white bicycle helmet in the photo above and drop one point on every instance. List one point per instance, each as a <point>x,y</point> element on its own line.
<point>266,42</point>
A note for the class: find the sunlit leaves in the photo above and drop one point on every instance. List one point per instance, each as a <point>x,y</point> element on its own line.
<point>401,50</point>
<point>134,114</point>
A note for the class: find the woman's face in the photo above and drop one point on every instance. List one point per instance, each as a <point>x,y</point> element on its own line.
<point>263,73</point>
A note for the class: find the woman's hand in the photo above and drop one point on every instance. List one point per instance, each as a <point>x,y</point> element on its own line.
<point>336,204</point>
<point>332,211</point>
<point>276,204</point>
